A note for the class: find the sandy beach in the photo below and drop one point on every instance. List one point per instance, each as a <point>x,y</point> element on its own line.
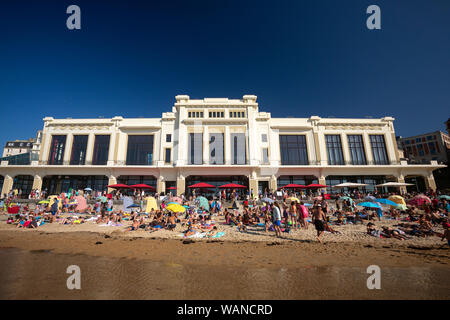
<point>251,265</point>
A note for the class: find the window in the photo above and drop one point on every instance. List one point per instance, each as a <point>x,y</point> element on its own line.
<point>195,114</point>
<point>216,148</point>
<point>238,148</point>
<point>79,147</point>
<point>334,149</point>
<point>140,150</point>
<point>167,157</point>
<point>429,137</point>
<point>216,114</point>
<point>378,149</point>
<point>168,138</point>
<point>265,156</point>
<point>195,148</point>
<point>57,148</point>
<point>101,150</point>
<point>264,137</point>
<point>293,150</point>
<point>237,114</point>
<point>420,150</point>
<point>356,147</point>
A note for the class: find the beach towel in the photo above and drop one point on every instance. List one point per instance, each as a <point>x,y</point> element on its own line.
<point>218,235</point>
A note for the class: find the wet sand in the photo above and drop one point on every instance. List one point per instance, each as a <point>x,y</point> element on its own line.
<point>33,266</point>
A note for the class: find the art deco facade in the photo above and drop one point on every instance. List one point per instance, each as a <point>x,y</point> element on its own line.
<point>214,140</point>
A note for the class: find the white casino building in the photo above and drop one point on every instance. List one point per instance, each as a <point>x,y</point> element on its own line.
<point>213,140</point>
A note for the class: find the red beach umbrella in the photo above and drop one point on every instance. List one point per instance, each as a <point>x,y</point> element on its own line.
<point>293,185</point>
<point>315,186</point>
<point>232,186</point>
<point>172,188</point>
<point>142,186</point>
<point>201,185</point>
<point>118,186</point>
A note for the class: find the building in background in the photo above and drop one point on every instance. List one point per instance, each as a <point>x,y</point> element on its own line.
<point>217,141</point>
<point>13,148</point>
<point>423,148</point>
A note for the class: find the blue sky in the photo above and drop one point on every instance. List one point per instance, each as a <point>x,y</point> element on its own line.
<point>300,58</point>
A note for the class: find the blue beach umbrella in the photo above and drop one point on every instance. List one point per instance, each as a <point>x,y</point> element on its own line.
<point>387,202</point>
<point>267,200</point>
<point>368,205</point>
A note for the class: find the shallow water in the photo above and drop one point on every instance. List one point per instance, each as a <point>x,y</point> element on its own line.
<point>42,275</point>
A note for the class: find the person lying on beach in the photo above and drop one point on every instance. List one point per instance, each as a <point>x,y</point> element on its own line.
<point>134,226</point>
<point>212,232</point>
<point>394,233</point>
<point>371,230</point>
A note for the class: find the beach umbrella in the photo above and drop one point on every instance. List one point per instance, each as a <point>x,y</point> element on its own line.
<point>133,206</point>
<point>87,189</point>
<point>44,201</point>
<point>202,202</point>
<point>394,184</point>
<point>201,185</point>
<point>314,185</point>
<point>172,188</point>
<point>232,186</point>
<point>424,197</point>
<point>118,186</point>
<point>141,186</point>
<point>294,199</point>
<point>308,205</point>
<point>267,200</point>
<point>444,197</point>
<point>387,202</point>
<point>349,185</point>
<point>175,207</point>
<point>294,186</point>
<point>370,198</point>
<point>368,205</point>
<point>397,199</point>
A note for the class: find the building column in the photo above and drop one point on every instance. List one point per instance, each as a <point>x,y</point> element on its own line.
<point>112,148</point>
<point>253,183</point>
<point>227,146</point>
<point>7,184</point>
<point>401,179</point>
<point>160,185</point>
<point>37,182</point>
<point>345,149</point>
<point>90,148</point>
<point>322,180</point>
<point>111,180</point>
<point>429,181</point>
<point>68,148</point>
<point>367,148</point>
<point>273,184</point>
<point>205,145</point>
<point>181,184</point>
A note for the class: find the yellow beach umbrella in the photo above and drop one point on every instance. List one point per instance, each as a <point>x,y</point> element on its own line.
<point>294,199</point>
<point>151,204</point>
<point>397,199</point>
<point>174,207</point>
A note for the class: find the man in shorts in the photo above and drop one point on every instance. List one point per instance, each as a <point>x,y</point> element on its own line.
<point>319,221</point>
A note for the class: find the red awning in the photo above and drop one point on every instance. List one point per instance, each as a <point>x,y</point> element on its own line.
<point>201,185</point>
<point>232,185</point>
<point>118,186</point>
<point>315,186</point>
<point>142,186</point>
<point>172,188</point>
<point>293,185</point>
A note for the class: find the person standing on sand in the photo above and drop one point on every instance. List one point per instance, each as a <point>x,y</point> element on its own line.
<point>277,219</point>
<point>319,221</point>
